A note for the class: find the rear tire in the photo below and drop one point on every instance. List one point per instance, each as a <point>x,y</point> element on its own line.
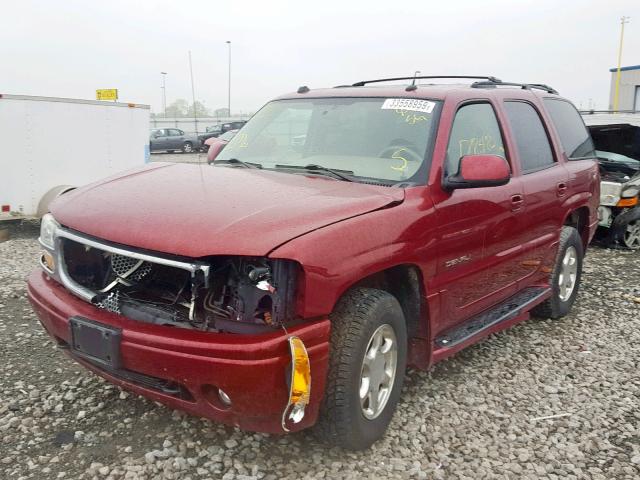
<point>367,362</point>
<point>566,276</point>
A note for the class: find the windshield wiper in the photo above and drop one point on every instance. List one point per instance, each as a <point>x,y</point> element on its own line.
<point>312,167</point>
<point>235,161</point>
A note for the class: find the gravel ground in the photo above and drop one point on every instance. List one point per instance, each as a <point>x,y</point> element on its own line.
<point>474,416</point>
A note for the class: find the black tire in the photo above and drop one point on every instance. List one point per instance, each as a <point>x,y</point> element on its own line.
<point>357,316</point>
<point>187,147</point>
<point>555,306</point>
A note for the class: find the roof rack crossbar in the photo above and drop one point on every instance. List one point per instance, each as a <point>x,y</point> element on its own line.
<point>380,80</point>
<point>526,86</point>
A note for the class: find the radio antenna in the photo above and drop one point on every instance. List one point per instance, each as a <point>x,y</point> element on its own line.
<point>413,85</point>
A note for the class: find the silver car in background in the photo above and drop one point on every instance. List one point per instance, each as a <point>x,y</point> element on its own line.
<point>172,139</point>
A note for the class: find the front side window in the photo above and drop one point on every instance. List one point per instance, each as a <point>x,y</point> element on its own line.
<point>368,139</point>
<point>475,131</point>
<point>531,138</point>
<point>574,136</point>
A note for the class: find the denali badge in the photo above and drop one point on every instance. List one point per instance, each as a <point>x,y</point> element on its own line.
<point>455,261</point>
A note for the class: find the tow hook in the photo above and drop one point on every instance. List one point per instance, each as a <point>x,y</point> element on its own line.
<point>300,383</point>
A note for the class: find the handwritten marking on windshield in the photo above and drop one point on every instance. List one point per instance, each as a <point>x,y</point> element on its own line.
<point>410,117</point>
<point>243,140</point>
<point>396,156</point>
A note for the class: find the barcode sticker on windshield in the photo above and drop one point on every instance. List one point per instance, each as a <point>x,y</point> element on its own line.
<point>414,105</point>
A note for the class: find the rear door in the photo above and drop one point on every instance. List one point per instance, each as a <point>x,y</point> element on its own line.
<point>480,228</point>
<point>545,185</point>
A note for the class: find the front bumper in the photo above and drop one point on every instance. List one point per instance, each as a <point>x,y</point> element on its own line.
<point>184,368</point>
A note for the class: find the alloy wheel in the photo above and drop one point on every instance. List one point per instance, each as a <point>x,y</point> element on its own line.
<point>378,372</point>
<point>568,273</point>
<point>632,235</point>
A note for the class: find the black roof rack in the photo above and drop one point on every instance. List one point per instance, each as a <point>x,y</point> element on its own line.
<point>526,86</point>
<point>379,80</point>
<point>485,82</point>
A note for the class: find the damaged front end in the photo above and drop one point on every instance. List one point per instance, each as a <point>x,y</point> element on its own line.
<point>222,294</point>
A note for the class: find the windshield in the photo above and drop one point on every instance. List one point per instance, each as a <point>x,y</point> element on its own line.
<point>373,138</point>
<point>228,136</point>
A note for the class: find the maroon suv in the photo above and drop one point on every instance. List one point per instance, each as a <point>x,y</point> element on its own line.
<point>342,235</point>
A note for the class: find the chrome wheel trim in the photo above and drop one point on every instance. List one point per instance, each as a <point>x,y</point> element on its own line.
<point>568,273</point>
<point>632,235</point>
<point>187,148</point>
<point>378,372</point>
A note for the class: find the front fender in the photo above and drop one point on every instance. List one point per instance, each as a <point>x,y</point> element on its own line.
<point>338,256</point>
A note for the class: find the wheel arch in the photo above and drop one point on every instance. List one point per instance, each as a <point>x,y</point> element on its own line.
<point>406,284</point>
<point>578,218</point>
<point>50,196</point>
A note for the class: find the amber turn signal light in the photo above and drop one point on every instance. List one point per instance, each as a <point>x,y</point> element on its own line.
<point>300,383</point>
<point>48,262</point>
<point>627,202</point>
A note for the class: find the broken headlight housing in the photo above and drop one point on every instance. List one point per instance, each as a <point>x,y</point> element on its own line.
<point>248,295</point>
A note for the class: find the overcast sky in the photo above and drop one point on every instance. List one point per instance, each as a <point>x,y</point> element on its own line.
<point>70,48</point>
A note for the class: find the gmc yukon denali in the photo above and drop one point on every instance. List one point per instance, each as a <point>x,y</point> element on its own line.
<point>343,235</point>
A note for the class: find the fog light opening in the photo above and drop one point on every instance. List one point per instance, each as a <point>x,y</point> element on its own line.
<point>224,398</point>
<point>216,397</point>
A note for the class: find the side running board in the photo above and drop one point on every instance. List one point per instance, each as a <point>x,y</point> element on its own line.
<point>510,308</point>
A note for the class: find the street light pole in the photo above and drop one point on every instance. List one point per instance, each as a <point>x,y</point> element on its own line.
<point>229,81</point>
<point>623,20</point>
<point>164,94</point>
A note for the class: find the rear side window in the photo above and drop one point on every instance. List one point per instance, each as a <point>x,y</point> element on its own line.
<point>574,136</point>
<point>531,138</point>
<point>475,131</point>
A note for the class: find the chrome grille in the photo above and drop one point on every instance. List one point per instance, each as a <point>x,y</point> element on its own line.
<point>129,268</point>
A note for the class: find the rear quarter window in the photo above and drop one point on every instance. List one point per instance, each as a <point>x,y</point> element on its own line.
<point>574,137</point>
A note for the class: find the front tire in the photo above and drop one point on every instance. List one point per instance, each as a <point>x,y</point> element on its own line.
<point>566,276</point>
<point>367,364</point>
<point>187,147</point>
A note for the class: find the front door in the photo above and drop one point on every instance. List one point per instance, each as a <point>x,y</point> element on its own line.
<point>480,228</point>
<point>159,140</point>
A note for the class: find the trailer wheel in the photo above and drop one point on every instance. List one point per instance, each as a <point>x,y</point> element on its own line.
<point>187,147</point>
<point>50,196</point>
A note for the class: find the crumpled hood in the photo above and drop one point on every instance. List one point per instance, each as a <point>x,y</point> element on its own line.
<point>200,210</point>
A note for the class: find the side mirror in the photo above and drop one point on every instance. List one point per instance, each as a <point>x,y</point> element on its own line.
<point>214,151</point>
<point>477,171</point>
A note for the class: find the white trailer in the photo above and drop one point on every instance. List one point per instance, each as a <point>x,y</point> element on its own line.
<point>51,145</point>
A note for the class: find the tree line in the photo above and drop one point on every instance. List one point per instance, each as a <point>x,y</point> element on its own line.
<point>183,108</point>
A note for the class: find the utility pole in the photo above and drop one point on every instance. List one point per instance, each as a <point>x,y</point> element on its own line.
<point>229,82</point>
<point>164,94</point>
<point>193,96</point>
<point>623,20</point>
